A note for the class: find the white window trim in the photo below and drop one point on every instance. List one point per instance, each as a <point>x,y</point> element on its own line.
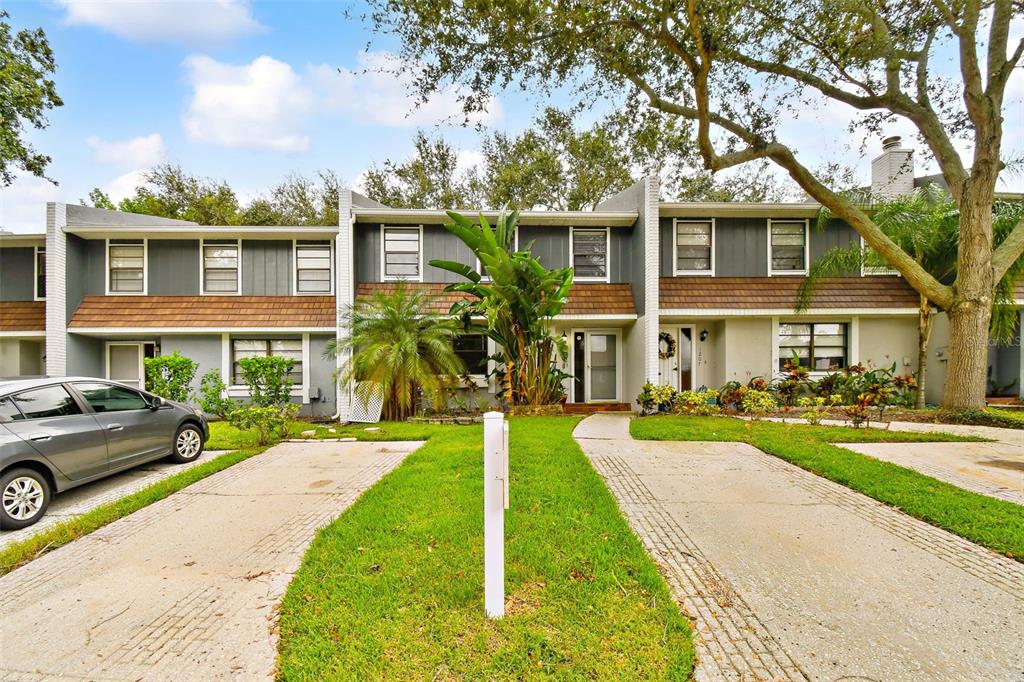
<point>35,273</point>
<point>145,269</point>
<point>807,247</point>
<point>675,249</point>
<point>607,254</point>
<point>295,268</point>
<point>202,270</point>
<point>872,271</point>
<point>383,254</point>
<point>236,391</point>
<point>852,341</point>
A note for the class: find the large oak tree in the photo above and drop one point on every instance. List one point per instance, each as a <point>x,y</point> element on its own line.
<point>734,67</point>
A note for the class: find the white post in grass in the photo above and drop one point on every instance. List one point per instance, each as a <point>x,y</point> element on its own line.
<point>495,504</point>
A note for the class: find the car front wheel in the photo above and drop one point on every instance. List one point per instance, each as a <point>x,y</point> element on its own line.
<point>188,444</point>
<point>24,497</point>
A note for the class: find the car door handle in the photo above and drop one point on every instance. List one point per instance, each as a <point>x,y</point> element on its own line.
<point>41,437</point>
<point>114,427</point>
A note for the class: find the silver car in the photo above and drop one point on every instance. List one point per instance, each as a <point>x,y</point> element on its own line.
<point>58,433</point>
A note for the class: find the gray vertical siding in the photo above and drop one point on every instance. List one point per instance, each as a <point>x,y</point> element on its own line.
<point>85,273</point>
<point>17,273</point>
<point>550,244</point>
<point>620,265</point>
<point>173,267</point>
<point>266,267</point>
<point>440,244</point>
<point>741,247</point>
<point>367,252</point>
<point>836,234</point>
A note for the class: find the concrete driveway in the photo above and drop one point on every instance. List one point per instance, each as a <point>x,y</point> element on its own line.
<point>995,468</point>
<point>185,589</point>
<point>82,499</point>
<point>789,576</point>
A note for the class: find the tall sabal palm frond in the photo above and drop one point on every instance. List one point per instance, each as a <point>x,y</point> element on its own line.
<point>399,347</point>
<point>925,224</point>
<point>514,306</point>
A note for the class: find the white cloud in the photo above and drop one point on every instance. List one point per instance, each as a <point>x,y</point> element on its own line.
<point>165,20</point>
<point>145,150</point>
<point>124,185</point>
<point>376,91</point>
<point>468,159</point>
<point>267,104</point>
<point>23,203</point>
<point>260,105</point>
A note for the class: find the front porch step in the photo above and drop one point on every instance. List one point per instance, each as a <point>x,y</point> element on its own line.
<point>591,408</point>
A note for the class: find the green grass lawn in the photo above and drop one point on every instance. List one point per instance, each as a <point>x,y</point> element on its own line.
<point>996,524</point>
<point>393,589</point>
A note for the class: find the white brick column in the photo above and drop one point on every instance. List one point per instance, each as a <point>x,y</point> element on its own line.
<point>56,290</point>
<point>345,286</point>
<point>652,270</point>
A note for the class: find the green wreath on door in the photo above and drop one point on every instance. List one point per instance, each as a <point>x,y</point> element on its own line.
<point>670,345</point>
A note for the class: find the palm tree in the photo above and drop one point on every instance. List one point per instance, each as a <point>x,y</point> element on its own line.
<point>399,348</point>
<point>925,224</point>
<point>514,307</point>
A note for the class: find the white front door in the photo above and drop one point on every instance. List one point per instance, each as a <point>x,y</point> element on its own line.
<point>124,363</point>
<point>602,376</point>
<point>668,368</point>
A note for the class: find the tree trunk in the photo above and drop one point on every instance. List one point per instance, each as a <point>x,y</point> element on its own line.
<point>971,312</point>
<point>924,336</point>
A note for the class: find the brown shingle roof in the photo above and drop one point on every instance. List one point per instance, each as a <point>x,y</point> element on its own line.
<point>22,316</point>
<point>779,293</point>
<point>219,312</point>
<point>584,299</point>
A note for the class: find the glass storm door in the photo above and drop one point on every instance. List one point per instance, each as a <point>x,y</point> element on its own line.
<point>602,367</point>
<point>124,364</point>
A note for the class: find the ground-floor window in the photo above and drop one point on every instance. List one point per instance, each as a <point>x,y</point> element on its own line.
<point>472,348</point>
<point>819,346</point>
<point>250,348</point>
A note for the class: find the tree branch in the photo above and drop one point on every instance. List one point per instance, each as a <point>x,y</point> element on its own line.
<point>1008,252</point>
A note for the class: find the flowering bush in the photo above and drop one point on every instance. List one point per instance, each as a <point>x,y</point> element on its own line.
<point>758,403</point>
<point>697,402</point>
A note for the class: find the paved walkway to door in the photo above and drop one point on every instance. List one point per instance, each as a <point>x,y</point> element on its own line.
<point>791,576</point>
<point>186,588</point>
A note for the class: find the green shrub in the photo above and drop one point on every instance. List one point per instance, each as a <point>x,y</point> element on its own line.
<point>758,403</point>
<point>269,423</point>
<point>170,376</point>
<point>697,402</point>
<point>267,380</point>
<point>212,395</point>
<point>815,409</point>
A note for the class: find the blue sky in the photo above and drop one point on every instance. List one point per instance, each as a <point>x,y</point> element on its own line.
<point>249,92</point>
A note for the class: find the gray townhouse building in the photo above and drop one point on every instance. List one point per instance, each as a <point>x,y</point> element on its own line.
<point>102,290</point>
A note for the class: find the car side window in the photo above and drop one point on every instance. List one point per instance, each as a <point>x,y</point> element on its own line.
<point>107,398</point>
<point>49,401</point>
<point>9,412</point>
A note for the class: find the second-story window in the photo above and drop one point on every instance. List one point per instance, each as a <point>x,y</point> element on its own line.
<point>313,267</point>
<point>401,252</point>
<point>40,273</point>
<point>589,254</point>
<point>695,247</point>
<point>787,247</point>
<point>126,259</point>
<point>220,266</point>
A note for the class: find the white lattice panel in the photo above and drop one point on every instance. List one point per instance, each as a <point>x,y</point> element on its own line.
<point>366,405</point>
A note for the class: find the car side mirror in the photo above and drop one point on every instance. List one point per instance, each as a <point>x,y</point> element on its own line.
<point>157,403</point>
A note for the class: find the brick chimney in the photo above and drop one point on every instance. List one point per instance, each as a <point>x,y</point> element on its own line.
<point>892,172</point>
